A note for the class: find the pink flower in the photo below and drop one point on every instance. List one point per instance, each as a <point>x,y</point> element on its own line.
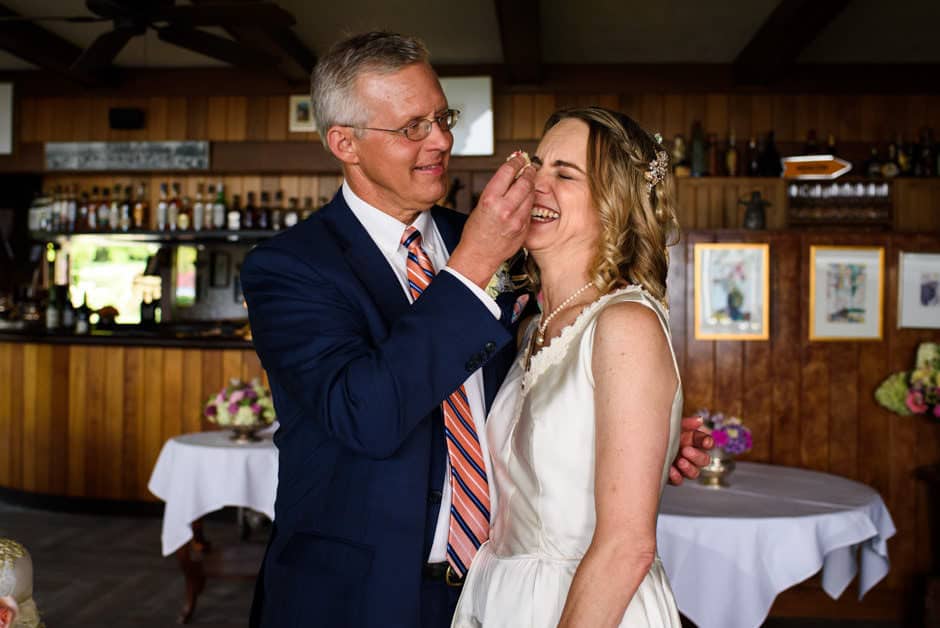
<point>211,410</point>
<point>256,408</point>
<point>233,408</point>
<point>936,410</point>
<point>721,439</point>
<point>237,396</point>
<point>915,402</point>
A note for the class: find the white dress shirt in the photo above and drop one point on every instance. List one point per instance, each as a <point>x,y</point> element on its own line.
<point>387,233</point>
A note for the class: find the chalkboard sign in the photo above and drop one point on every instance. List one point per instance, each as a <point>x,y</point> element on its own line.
<point>109,156</point>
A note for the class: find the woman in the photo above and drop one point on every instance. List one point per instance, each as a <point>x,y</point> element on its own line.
<point>586,423</point>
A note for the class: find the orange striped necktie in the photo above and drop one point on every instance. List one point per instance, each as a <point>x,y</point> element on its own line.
<point>470,496</point>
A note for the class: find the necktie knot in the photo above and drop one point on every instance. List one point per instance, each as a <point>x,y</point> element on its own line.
<point>411,237</point>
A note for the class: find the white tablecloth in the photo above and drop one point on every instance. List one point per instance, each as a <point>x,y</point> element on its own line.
<point>202,472</point>
<point>729,552</point>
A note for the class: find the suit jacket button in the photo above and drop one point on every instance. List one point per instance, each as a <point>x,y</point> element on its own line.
<point>489,347</point>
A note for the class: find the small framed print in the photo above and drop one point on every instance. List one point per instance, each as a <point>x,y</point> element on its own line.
<point>732,288</point>
<point>301,115</point>
<point>919,290</point>
<point>846,292</point>
<point>473,97</point>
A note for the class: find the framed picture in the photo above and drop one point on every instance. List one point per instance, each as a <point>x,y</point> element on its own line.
<point>732,291</point>
<point>6,118</point>
<point>919,290</point>
<point>301,115</point>
<point>473,97</point>
<point>846,292</point>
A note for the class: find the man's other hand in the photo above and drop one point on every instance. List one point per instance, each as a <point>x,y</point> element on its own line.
<point>694,443</point>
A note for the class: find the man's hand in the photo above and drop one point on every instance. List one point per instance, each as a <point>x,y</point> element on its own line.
<point>694,443</point>
<point>499,223</point>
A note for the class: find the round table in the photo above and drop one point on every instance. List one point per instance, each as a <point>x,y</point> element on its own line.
<point>729,552</point>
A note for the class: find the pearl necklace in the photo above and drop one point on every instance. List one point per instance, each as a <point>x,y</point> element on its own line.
<point>543,325</point>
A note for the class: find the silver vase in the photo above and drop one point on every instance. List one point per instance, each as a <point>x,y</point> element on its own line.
<point>715,473</point>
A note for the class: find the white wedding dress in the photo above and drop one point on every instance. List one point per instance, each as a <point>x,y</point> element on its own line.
<point>540,432</point>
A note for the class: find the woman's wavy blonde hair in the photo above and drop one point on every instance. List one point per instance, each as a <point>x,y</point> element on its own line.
<point>637,223</point>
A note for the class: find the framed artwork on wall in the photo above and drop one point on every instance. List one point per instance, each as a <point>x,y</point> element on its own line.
<point>846,292</point>
<point>732,291</point>
<point>473,97</point>
<point>919,290</point>
<point>300,119</point>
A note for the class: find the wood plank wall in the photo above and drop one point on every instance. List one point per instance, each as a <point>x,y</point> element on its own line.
<point>89,421</point>
<point>811,404</point>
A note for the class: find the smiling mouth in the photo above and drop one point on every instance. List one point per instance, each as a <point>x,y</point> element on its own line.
<point>430,167</point>
<point>544,214</point>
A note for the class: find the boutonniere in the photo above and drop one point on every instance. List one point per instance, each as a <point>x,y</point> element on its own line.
<point>500,282</point>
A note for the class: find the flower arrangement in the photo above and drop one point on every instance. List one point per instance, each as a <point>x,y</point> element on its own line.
<point>241,404</point>
<point>730,434</point>
<point>917,391</point>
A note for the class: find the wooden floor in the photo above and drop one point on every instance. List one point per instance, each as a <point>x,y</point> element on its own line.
<point>107,572</point>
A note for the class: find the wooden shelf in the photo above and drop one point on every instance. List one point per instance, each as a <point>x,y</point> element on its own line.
<point>181,237</point>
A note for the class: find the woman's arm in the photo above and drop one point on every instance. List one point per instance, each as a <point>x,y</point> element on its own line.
<point>635,383</point>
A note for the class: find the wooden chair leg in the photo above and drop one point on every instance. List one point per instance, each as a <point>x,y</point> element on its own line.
<point>195,578</point>
<point>200,542</point>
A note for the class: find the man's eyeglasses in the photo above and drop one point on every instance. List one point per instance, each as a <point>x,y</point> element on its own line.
<point>420,129</point>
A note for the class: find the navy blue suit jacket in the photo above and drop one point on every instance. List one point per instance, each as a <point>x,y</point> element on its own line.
<point>358,374</point>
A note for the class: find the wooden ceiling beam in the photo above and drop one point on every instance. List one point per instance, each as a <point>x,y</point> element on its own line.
<point>34,44</point>
<point>519,32</point>
<point>776,46</point>
<point>295,59</point>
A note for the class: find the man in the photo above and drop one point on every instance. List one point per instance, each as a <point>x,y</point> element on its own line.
<point>372,526</point>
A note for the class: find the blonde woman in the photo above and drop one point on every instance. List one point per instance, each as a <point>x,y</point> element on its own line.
<point>586,424</point>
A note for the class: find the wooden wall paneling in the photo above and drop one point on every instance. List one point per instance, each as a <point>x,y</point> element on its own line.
<point>291,187</point>
<point>874,117</point>
<point>808,117</point>
<point>212,378</point>
<point>784,118</point>
<point>270,185</point>
<point>177,118</point>
<point>30,416</point>
<point>932,119</point>
<point>200,114</point>
<point>133,474</point>
<point>26,119</point>
<point>6,413</point>
<point>277,118</point>
<point>729,377</point>
<point>217,118</point>
<point>172,419</point>
<point>757,375</point>
<point>328,186</point>
<point>59,420</point>
<point>250,184</point>
<point>157,119</point>
<point>113,464</point>
<point>843,409</point>
<point>153,400</point>
<point>694,111</point>
<point>192,398</point>
<point>523,117</point>
<point>814,392</point>
<point>673,117</point>
<point>45,119</point>
<point>130,135</point>
<point>739,119</point>
<point>309,187</point>
<point>716,115</point>
<point>80,113</point>
<point>631,105</point>
<point>18,414</point>
<point>251,366</point>
<point>762,114</point>
<point>608,101</point>
<point>256,118</point>
<point>917,205</point>
<point>95,426</point>
<point>543,108</point>
<point>676,296</point>
<point>848,113</point>
<point>77,419</point>
<point>785,341</point>
<point>699,354</point>
<point>702,203</point>
<point>652,112</point>
<point>502,116</point>
<point>231,365</point>
<point>831,117</point>
<point>236,119</point>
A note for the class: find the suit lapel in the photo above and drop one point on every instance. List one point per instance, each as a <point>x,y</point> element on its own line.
<point>365,259</point>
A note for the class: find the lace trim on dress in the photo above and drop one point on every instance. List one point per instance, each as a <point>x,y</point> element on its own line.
<point>540,362</point>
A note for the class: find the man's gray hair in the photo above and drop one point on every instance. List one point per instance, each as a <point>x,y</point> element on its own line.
<point>333,83</point>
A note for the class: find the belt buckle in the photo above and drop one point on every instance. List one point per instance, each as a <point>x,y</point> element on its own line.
<point>452,579</point>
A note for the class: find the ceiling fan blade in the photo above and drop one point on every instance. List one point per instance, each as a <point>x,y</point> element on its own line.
<point>265,14</point>
<point>210,45</point>
<point>102,51</point>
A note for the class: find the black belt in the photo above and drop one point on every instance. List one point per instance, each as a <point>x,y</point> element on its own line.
<point>442,571</point>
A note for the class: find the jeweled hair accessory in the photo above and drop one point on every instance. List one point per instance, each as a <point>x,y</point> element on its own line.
<point>657,170</point>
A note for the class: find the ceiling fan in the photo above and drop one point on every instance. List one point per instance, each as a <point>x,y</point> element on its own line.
<point>175,24</point>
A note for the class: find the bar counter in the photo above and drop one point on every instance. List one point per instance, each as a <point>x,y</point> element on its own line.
<point>86,416</point>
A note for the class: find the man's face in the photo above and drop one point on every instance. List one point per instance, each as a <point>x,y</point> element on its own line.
<point>400,176</point>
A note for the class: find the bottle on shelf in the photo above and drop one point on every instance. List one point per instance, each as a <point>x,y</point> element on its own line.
<point>249,212</point>
<point>292,214</point>
<point>234,214</point>
<point>114,210</point>
<point>173,207</point>
<point>731,156</point>
<point>140,217</point>
<point>811,146</point>
<point>277,211</point>
<point>925,158</point>
<point>873,164</point>
<point>53,314</point>
<point>752,165</point>
<point>831,145</point>
<point>163,208</point>
<point>81,217</point>
<point>890,167</point>
<point>68,311</point>
<point>71,210</point>
<point>124,220</point>
<point>680,157</point>
<point>769,158</point>
<point>91,224</point>
<point>713,168</point>
<point>263,216</point>
<point>83,317</point>
<point>219,210</point>
<point>905,165</point>
<point>104,210</point>
<point>199,208</point>
<point>185,218</point>
<point>699,164</point>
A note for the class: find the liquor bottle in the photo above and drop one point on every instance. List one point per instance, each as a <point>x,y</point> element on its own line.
<point>890,168</point>
<point>291,216</point>
<point>81,218</point>
<point>680,157</point>
<point>811,146</point>
<point>249,213</point>
<point>712,169</point>
<point>173,208</point>
<point>905,166</point>
<point>308,208</point>
<point>68,312</point>
<point>104,210</point>
<point>124,221</point>
<point>873,165</point>
<point>769,158</point>
<point>71,210</point>
<point>163,208</point>
<point>184,219</point>
<point>699,164</point>
<point>199,208</point>
<point>731,156</point>
<point>53,315</point>
<point>263,216</point>
<point>114,211</point>
<point>83,317</point>
<point>141,215</point>
<point>277,211</point>
<point>831,147</point>
<point>91,221</point>
<point>750,157</point>
<point>234,215</point>
<point>926,161</point>
<point>219,210</point>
